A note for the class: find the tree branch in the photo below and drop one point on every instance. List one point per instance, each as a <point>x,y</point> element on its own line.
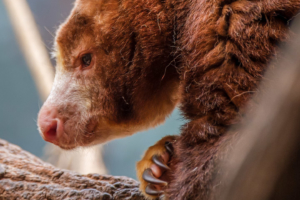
<point>23,176</point>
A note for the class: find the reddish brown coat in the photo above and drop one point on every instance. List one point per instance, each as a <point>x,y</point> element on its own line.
<point>226,47</point>
<point>150,54</point>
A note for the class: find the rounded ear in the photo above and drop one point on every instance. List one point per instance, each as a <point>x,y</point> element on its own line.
<point>90,6</point>
<point>99,10</point>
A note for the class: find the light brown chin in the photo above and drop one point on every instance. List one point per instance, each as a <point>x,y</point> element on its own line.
<point>67,147</point>
<point>74,146</point>
<point>71,146</point>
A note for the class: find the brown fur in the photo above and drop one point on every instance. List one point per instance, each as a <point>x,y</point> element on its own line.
<point>226,46</point>
<point>213,52</point>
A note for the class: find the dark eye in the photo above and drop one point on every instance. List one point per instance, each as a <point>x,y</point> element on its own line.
<point>86,60</point>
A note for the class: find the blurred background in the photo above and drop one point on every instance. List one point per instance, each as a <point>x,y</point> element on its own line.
<point>20,100</point>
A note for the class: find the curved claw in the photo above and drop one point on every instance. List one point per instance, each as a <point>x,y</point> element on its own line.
<point>169,147</point>
<point>159,161</point>
<point>148,176</point>
<point>152,191</point>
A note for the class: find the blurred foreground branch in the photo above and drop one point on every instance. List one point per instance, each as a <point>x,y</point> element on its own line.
<point>32,45</point>
<point>23,176</point>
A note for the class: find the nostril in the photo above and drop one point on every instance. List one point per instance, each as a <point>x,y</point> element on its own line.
<point>51,126</point>
<point>50,134</point>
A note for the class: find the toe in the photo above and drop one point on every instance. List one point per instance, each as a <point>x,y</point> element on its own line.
<point>151,190</point>
<point>166,157</point>
<point>160,161</point>
<point>169,147</point>
<point>156,170</point>
<point>150,178</point>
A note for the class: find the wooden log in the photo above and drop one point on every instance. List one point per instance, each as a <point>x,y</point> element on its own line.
<point>24,176</point>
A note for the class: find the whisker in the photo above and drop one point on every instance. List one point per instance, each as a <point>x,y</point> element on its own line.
<point>49,32</point>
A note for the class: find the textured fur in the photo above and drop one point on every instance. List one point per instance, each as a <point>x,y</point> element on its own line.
<point>226,47</point>
<point>211,53</point>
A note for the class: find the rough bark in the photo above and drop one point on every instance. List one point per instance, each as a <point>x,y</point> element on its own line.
<point>23,176</point>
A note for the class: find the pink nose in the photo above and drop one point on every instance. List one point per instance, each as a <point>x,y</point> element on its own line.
<point>51,127</point>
